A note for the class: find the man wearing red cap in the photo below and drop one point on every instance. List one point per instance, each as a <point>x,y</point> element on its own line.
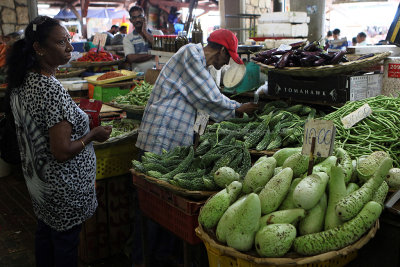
<point>183,89</point>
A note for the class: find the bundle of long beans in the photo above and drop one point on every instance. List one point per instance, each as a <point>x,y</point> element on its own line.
<point>379,131</point>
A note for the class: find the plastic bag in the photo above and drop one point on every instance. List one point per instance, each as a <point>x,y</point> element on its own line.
<point>92,108</point>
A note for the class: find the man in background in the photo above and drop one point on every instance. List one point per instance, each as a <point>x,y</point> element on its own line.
<point>337,42</point>
<point>118,38</point>
<point>137,44</point>
<point>361,39</point>
<point>110,34</point>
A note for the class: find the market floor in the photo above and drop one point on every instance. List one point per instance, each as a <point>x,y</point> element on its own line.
<point>18,225</point>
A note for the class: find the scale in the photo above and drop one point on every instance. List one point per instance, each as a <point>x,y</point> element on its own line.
<point>245,77</point>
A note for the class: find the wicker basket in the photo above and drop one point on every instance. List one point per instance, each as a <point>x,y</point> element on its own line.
<point>133,109</point>
<point>72,72</point>
<point>220,255</point>
<point>328,70</point>
<point>81,64</point>
<point>175,189</point>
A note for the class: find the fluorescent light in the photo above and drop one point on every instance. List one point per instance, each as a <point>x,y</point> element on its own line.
<point>43,5</point>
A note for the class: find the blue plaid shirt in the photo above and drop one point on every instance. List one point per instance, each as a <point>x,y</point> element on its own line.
<point>183,87</point>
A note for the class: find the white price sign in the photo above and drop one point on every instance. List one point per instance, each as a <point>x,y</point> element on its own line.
<point>324,133</point>
<point>356,116</point>
<point>201,122</point>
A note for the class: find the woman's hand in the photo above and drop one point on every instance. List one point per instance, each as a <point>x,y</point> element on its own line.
<point>101,133</point>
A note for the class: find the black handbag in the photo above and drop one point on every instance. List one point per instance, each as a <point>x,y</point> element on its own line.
<point>9,150</point>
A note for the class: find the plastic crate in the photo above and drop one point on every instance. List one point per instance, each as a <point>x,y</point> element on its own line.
<point>107,94</point>
<point>177,214</point>
<point>115,159</point>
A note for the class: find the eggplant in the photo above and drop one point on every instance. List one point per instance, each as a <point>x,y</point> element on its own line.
<point>311,47</point>
<point>366,56</point>
<point>297,45</point>
<point>308,61</point>
<point>268,61</point>
<point>307,53</point>
<point>267,53</point>
<point>337,57</point>
<point>327,56</point>
<point>319,62</point>
<point>280,52</point>
<point>258,59</point>
<point>283,60</point>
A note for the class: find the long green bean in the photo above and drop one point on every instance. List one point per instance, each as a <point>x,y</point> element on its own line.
<point>379,131</point>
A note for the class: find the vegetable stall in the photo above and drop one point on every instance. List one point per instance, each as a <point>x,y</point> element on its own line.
<point>260,204</point>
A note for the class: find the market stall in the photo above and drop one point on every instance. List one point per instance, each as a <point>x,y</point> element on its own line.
<point>261,155</point>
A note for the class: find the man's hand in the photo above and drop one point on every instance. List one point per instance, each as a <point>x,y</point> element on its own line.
<point>248,108</point>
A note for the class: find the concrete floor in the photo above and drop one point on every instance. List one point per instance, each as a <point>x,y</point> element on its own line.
<point>18,225</point>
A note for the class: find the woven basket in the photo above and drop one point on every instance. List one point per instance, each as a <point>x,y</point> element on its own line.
<point>331,258</point>
<point>175,189</point>
<point>123,138</point>
<point>72,72</point>
<point>95,63</point>
<point>129,108</point>
<point>328,70</point>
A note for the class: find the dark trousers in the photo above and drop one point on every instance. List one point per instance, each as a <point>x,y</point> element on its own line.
<point>56,249</point>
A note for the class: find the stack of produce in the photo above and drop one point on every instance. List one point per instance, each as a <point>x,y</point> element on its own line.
<point>379,131</point>
<point>100,56</point>
<point>138,96</point>
<point>109,75</point>
<point>195,172</point>
<point>120,127</point>
<point>278,208</point>
<point>278,125</point>
<point>300,56</point>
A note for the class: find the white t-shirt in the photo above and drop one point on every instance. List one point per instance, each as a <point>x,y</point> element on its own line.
<point>134,43</point>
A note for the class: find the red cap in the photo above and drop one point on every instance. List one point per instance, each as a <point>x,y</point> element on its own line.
<point>228,40</point>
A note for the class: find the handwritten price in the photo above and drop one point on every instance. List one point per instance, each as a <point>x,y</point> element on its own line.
<point>324,133</point>
<point>356,116</point>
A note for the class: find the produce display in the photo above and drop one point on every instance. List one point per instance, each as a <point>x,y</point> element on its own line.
<point>100,56</point>
<point>137,96</point>
<point>120,127</point>
<point>186,168</point>
<point>276,208</point>
<point>109,75</point>
<point>379,131</point>
<point>278,125</point>
<point>301,55</point>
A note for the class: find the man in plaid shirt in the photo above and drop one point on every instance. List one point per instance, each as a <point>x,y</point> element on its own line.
<point>184,88</point>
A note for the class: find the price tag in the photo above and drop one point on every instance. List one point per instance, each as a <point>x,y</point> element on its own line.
<point>100,37</point>
<point>324,133</point>
<point>356,116</point>
<point>201,122</point>
<point>284,47</point>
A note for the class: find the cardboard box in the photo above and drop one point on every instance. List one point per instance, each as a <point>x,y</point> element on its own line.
<point>360,50</point>
<point>336,89</point>
<point>285,17</point>
<point>283,30</point>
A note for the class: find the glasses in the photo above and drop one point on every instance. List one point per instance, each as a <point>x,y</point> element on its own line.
<point>136,17</point>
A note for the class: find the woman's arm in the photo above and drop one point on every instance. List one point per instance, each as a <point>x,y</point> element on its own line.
<point>64,149</point>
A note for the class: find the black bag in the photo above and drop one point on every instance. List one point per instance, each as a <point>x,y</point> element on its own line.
<point>9,150</point>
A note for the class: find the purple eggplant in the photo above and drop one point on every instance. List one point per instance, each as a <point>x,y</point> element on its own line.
<point>337,57</point>
<point>297,45</point>
<point>366,56</point>
<point>283,60</point>
<point>307,53</point>
<point>319,62</point>
<point>267,53</point>
<point>280,52</point>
